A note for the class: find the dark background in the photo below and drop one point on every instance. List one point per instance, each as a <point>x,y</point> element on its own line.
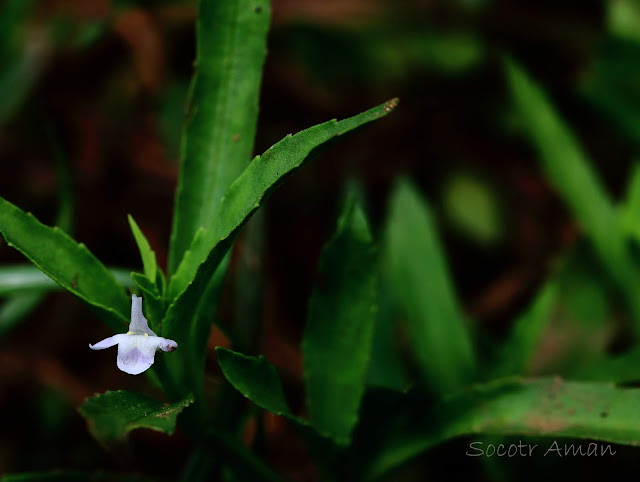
<point>103,95</point>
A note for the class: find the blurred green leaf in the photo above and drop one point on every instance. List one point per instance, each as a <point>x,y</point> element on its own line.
<point>221,113</point>
<point>16,308</point>
<point>387,367</point>
<point>336,346</point>
<point>549,407</point>
<point>472,209</point>
<point>374,54</point>
<point>241,200</point>
<point>23,278</point>
<point>112,415</point>
<point>526,334</point>
<point>22,57</point>
<point>146,253</point>
<point>568,169</point>
<point>611,84</point>
<point>423,292</point>
<point>623,18</point>
<point>630,209</point>
<point>622,368</point>
<point>70,264</point>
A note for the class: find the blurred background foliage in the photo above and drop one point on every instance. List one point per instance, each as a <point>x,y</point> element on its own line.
<point>91,109</point>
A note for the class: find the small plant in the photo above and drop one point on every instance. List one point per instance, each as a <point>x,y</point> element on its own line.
<point>369,407</point>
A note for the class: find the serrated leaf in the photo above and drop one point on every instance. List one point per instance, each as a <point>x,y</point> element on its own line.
<point>422,290</point>
<point>68,263</point>
<point>258,180</point>
<point>222,112</point>
<point>112,415</point>
<point>146,253</point>
<point>242,199</point>
<point>337,338</point>
<point>548,407</point>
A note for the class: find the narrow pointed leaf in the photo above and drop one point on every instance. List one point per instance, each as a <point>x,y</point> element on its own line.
<point>222,112</point>
<point>258,180</point>
<point>146,253</point>
<point>570,171</point>
<point>423,292</point>
<point>241,200</point>
<point>68,263</point>
<point>112,415</point>
<point>337,339</point>
<point>549,407</point>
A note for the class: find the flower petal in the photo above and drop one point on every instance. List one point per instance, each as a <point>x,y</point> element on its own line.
<point>168,345</point>
<point>138,323</point>
<point>107,342</point>
<point>136,353</point>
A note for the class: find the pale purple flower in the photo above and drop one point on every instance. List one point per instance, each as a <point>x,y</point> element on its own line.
<point>136,348</point>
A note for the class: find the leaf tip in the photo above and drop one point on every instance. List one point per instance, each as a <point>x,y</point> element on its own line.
<point>390,105</point>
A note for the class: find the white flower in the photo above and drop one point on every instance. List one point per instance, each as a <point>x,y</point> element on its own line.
<point>136,348</point>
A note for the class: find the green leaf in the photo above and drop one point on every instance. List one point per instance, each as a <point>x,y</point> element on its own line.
<point>423,292</point>
<point>527,332</point>
<point>630,209</point>
<point>609,84</point>
<point>549,407</point>
<point>472,209</point>
<point>242,199</point>
<point>16,308</point>
<point>563,159</point>
<point>623,18</point>
<point>256,379</point>
<point>22,61</point>
<point>259,179</point>
<point>72,476</point>
<point>386,368</point>
<point>24,278</point>
<point>68,263</point>
<point>569,170</point>
<point>620,368</point>
<point>112,415</point>
<point>222,111</point>
<point>146,253</point>
<point>337,338</point>
<point>200,328</point>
